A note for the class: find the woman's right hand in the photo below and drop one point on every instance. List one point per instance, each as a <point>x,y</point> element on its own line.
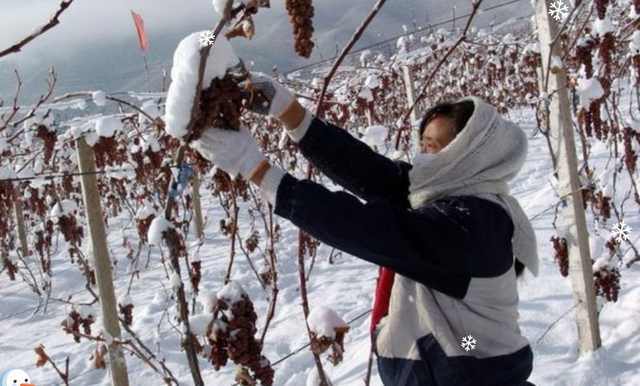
<point>269,96</point>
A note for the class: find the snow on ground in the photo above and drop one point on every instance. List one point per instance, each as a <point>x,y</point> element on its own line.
<point>346,287</point>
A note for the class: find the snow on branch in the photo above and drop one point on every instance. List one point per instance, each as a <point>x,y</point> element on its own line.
<point>53,21</point>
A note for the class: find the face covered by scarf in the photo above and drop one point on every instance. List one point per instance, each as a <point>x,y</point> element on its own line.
<point>483,157</point>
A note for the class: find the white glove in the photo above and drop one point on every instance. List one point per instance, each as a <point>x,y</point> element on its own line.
<point>276,97</point>
<point>232,151</point>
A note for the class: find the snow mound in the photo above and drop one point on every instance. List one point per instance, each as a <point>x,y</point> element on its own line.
<point>313,379</point>
<point>199,323</point>
<point>589,90</point>
<point>323,321</point>
<point>375,135</point>
<point>63,208</point>
<point>158,226</point>
<point>125,300</point>
<point>231,293</point>
<point>108,126</point>
<point>145,211</point>
<point>99,98</point>
<point>151,109</point>
<point>176,282</point>
<point>603,26</point>
<point>184,75</point>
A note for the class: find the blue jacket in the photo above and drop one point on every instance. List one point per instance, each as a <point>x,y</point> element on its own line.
<point>453,258</point>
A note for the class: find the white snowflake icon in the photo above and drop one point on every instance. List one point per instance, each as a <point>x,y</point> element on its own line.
<point>206,38</point>
<point>559,10</point>
<point>468,343</point>
<point>621,231</point>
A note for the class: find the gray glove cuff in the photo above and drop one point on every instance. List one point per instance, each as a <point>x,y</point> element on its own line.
<point>270,182</point>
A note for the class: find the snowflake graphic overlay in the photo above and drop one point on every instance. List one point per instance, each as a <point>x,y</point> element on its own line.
<point>206,38</point>
<point>559,10</point>
<point>468,343</point>
<point>621,231</point>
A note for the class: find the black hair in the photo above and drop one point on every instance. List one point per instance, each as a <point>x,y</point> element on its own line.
<point>458,112</point>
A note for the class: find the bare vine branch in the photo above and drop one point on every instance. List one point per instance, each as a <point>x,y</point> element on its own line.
<point>462,38</point>
<point>53,21</point>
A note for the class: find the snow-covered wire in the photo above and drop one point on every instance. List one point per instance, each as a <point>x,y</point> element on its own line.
<point>61,175</point>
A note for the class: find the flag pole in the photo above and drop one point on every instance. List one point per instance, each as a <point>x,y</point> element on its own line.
<point>146,70</point>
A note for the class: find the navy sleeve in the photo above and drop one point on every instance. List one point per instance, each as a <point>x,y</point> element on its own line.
<point>425,245</point>
<point>352,164</point>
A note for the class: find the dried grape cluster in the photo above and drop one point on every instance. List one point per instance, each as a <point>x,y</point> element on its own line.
<point>232,336</point>
<point>73,322</point>
<point>630,155</point>
<point>218,337</point>
<point>108,151</point>
<point>196,275</point>
<point>147,161</point>
<point>142,226</point>
<point>49,137</point>
<point>220,106</point>
<point>301,17</point>
<point>603,204</point>
<point>127,313</point>
<point>36,202</point>
<point>267,276</point>
<point>10,267</point>
<point>321,344</point>
<point>562,254</point>
<point>72,232</point>
<point>252,242</point>
<point>607,282</point>
<point>43,242</point>
<point>308,244</point>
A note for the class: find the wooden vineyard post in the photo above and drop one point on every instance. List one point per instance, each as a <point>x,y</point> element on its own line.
<point>563,146</point>
<point>102,262</point>
<point>411,93</point>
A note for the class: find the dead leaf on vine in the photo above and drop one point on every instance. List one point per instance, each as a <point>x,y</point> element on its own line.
<point>243,28</point>
<point>42,356</point>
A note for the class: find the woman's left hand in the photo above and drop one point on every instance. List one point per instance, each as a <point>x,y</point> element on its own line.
<point>232,151</point>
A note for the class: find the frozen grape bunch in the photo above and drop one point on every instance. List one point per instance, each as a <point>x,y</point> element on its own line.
<point>301,17</point>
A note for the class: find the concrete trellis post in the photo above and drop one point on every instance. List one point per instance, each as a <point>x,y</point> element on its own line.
<point>22,233</point>
<point>411,93</point>
<point>197,206</point>
<point>563,146</point>
<point>104,277</point>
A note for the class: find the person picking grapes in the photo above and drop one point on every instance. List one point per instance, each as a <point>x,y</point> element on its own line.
<point>448,237</point>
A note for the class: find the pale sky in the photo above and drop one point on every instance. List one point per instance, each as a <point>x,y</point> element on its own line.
<point>96,39</point>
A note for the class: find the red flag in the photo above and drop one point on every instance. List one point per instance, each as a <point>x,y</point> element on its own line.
<point>142,33</point>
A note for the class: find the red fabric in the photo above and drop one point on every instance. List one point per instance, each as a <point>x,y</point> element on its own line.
<point>142,33</point>
<point>383,295</point>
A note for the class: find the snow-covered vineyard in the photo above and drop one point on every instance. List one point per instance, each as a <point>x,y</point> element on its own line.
<point>126,258</point>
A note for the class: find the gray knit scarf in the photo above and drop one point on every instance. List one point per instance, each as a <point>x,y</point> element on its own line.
<point>488,153</point>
